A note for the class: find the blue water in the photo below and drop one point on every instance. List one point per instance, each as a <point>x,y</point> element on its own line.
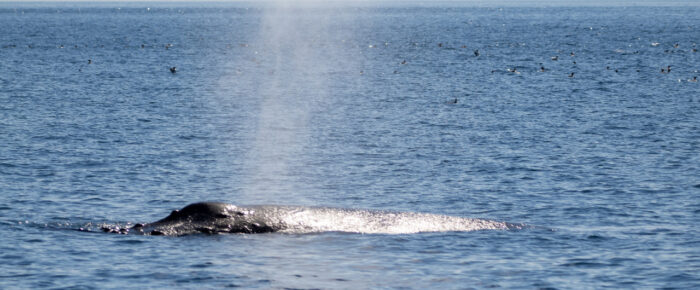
<point>351,107</point>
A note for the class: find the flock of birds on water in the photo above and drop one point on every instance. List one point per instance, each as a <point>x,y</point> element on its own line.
<point>476,53</point>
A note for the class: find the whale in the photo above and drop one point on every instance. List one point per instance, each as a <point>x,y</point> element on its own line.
<point>223,218</point>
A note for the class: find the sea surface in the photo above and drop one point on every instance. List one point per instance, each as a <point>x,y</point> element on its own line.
<point>562,118</point>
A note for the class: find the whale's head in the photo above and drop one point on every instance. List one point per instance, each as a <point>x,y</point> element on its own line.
<point>204,217</point>
<point>203,211</point>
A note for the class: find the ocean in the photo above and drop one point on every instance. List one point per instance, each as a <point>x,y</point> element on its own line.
<point>581,122</point>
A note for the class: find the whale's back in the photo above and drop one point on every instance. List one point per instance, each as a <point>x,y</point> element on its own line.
<point>214,217</point>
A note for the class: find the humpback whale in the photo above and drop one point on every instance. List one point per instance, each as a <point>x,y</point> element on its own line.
<point>217,218</point>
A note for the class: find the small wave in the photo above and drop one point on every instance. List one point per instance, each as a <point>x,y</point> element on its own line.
<point>7,165</point>
<point>86,164</point>
<point>52,138</point>
<point>192,137</point>
<point>23,275</point>
<point>94,199</point>
<point>130,242</point>
<point>585,263</point>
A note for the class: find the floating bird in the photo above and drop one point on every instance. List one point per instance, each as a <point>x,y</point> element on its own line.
<point>453,101</point>
<point>694,79</point>
<point>555,58</point>
<point>403,62</point>
<point>571,75</point>
<point>476,52</point>
<point>173,69</point>
<point>542,68</point>
<point>89,61</point>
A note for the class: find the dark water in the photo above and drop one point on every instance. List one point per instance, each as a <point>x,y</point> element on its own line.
<point>351,107</point>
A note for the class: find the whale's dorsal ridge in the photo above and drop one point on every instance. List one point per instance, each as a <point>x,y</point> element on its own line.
<point>200,210</point>
<point>217,217</point>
